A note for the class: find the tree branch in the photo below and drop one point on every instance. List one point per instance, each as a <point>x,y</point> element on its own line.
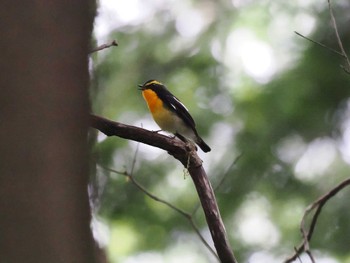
<point>307,234</point>
<point>189,158</point>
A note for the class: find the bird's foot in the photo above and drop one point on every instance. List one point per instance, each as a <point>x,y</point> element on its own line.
<point>190,146</point>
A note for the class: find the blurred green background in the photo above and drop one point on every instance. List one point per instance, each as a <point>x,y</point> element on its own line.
<point>254,88</point>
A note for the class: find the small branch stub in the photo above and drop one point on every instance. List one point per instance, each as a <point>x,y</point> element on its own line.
<point>104,46</point>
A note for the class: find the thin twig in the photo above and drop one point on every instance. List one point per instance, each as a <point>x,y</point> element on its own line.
<point>134,159</point>
<point>235,161</point>
<point>318,205</point>
<point>112,44</point>
<point>308,252</point>
<point>306,241</point>
<point>320,44</point>
<point>340,43</point>
<point>170,205</point>
<point>221,181</point>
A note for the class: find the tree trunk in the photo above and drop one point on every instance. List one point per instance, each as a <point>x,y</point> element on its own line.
<point>44,209</point>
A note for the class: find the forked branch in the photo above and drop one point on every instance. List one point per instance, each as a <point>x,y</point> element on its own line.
<point>317,207</point>
<point>342,51</point>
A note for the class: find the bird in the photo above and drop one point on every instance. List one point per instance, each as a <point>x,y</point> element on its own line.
<point>170,113</point>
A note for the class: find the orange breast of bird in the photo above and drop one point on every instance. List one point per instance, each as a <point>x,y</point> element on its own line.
<point>154,103</point>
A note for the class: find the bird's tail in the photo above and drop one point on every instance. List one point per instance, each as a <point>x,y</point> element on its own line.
<point>198,140</point>
<point>205,148</point>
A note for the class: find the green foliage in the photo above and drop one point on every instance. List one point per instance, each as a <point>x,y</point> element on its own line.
<point>276,123</point>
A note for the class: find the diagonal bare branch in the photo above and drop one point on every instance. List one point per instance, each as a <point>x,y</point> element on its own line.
<point>317,205</point>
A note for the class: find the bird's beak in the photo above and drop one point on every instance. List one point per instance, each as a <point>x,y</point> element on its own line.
<point>140,87</point>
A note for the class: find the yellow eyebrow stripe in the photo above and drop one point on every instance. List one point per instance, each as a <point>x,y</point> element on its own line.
<point>154,82</point>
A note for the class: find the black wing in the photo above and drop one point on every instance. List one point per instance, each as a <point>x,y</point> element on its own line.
<point>176,105</point>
